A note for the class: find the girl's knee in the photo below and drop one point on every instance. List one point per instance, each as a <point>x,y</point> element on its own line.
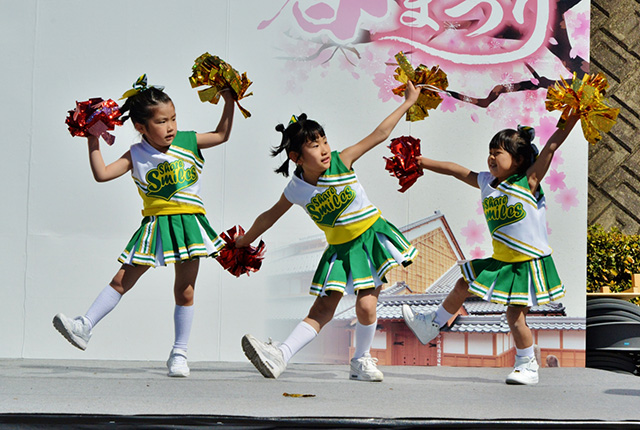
<point>366,307</point>
<point>323,309</point>
<point>366,316</point>
<point>461,287</point>
<point>184,296</point>
<point>517,316</point>
<point>116,284</point>
<point>126,277</point>
<point>117,280</point>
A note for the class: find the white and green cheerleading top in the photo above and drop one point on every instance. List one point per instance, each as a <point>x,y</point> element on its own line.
<point>516,218</point>
<point>337,203</point>
<point>169,183</point>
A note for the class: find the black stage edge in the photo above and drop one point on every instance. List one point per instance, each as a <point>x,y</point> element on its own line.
<point>193,422</point>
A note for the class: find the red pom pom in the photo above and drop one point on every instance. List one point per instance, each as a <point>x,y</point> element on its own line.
<point>238,261</point>
<point>94,117</point>
<point>404,163</point>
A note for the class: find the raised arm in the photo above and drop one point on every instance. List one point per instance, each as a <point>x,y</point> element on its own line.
<point>264,222</point>
<point>539,168</point>
<point>102,172</point>
<point>223,130</point>
<point>381,133</point>
<point>452,169</point>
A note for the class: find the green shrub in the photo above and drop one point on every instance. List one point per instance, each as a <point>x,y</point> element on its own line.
<point>612,257</point>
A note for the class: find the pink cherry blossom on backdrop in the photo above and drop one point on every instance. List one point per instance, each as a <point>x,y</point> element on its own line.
<point>500,57</point>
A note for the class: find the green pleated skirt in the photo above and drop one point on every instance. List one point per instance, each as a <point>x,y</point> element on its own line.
<point>363,262</point>
<point>528,283</point>
<point>167,239</point>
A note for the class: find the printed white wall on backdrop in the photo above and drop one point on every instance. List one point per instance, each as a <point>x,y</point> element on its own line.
<point>333,60</point>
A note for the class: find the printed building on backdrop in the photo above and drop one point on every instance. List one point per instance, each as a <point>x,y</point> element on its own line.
<point>477,334</point>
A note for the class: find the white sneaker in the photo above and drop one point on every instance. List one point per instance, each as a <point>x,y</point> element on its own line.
<point>76,330</point>
<point>177,363</point>
<point>421,325</point>
<point>266,357</point>
<point>525,371</point>
<point>365,369</point>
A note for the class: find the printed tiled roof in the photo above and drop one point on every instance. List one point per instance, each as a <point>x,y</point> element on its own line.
<point>498,323</point>
<point>446,282</point>
<point>547,322</point>
<point>395,289</point>
<point>483,316</point>
<point>477,306</point>
<point>436,215</point>
<point>390,307</point>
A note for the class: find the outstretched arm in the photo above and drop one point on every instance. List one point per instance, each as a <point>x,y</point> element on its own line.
<point>264,222</point>
<point>382,132</point>
<point>223,130</point>
<point>539,168</point>
<point>452,169</point>
<point>102,172</point>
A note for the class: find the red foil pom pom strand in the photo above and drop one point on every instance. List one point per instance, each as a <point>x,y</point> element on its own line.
<point>239,261</point>
<point>404,163</point>
<point>94,117</point>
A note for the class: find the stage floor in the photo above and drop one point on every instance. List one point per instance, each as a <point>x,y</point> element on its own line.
<point>220,389</point>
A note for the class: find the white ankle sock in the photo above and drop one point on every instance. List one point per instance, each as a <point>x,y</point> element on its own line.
<point>301,335</point>
<point>525,352</point>
<point>182,320</point>
<point>364,338</point>
<point>102,305</point>
<point>442,316</point>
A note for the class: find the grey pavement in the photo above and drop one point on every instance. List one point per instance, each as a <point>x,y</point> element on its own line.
<point>237,389</point>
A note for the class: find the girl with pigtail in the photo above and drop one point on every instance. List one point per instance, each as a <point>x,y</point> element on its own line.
<point>166,167</point>
<point>363,246</point>
<point>521,272</point>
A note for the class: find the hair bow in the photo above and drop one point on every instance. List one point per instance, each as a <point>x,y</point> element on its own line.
<point>140,85</point>
<point>534,156</point>
<point>530,132</point>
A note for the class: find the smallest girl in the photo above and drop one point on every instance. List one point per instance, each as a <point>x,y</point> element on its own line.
<point>363,246</point>
<point>521,272</point>
<point>166,167</point>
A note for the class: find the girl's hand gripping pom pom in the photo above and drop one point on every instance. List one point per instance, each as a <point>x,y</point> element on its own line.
<point>238,261</point>
<point>94,117</point>
<point>585,98</point>
<point>404,163</point>
<point>431,82</point>
<point>211,70</point>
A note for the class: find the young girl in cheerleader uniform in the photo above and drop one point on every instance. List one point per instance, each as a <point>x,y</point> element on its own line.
<point>363,246</point>
<point>166,167</point>
<point>521,272</point>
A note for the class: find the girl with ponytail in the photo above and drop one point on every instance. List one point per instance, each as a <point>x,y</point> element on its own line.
<point>521,272</point>
<point>363,246</point>
<point>174,228</point>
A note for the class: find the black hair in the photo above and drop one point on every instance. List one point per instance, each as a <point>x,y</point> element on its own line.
<point>140,106</point>
<point>296,134</point>
<point>518,144</point>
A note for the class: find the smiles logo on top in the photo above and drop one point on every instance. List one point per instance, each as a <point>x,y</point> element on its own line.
<point>498,213</point>
<point>325,208</point>
<point>168,178</point>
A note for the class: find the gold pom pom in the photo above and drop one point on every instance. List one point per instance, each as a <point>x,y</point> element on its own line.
<point>211,70</point>
<point>431,83</point>
<point>586,98</point>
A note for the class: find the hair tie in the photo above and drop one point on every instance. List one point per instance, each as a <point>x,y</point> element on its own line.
<point>529,132</point>
<point>293,120</point>
<point>140,85</point>
<point>534,153</point>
